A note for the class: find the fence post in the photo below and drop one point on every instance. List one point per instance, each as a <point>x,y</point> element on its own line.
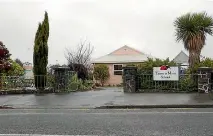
<point>204,79</point>
<point>129,79</point>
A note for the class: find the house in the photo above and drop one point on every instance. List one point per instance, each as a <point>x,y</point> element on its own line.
<point>181,59</point>
<point>28,70</point>
<point>118,59</point>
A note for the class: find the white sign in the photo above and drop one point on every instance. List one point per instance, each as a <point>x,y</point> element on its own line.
<point>169,74</point>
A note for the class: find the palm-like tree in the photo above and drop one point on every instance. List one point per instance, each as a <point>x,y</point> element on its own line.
<point>192,29</point>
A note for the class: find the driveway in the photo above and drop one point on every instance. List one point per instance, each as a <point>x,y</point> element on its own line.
<point>103,97</point>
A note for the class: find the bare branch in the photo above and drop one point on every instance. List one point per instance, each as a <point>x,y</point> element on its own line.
<point>80,55</point>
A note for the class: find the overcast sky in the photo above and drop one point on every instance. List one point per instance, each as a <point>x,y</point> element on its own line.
<point>146,25</point>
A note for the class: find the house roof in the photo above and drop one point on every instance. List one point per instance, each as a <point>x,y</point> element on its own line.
<point>123,58</point>
<point>181,58</point>
<point>127,47</point>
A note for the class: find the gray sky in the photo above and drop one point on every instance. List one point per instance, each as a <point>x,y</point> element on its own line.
<point>146,25</point>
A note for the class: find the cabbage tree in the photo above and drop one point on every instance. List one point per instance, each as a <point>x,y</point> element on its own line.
<point>192,29</point>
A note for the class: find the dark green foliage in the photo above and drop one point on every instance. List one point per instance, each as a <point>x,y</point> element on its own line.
<point>185,84</point>
<point>81,70</point>
<point>207,62</point>
<point>19,62</point>
<point>189,83</point>
<point>101,73</point>
<point>40,54</point>
<point>192,29</point>
<point>76,84</point>
<point>51,80</point>
<point>16,69</point>
<point>145,82</point>
<point>147,66</point>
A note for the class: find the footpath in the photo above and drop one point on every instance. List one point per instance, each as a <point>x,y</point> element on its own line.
<point>107,98</point>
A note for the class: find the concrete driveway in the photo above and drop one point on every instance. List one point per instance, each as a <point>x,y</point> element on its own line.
<point>104,97</point>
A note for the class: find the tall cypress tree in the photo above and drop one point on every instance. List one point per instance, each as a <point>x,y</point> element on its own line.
<point>36,51</point>
<point>40,55</point>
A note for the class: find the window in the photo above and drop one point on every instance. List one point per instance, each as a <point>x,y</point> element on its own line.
<point>118,69</point>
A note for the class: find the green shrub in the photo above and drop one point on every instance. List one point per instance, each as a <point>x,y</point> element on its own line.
<point>73,86</point>
<point>147,66</point>
<point>76,84</point>
<point>145,82</point>
<point>50,80</point>
<point>188,84</point>
<point>101,73</point>
<point>16,69</point>
<point>207,62</point>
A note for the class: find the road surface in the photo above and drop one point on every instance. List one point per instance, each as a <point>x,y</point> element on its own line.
<point>154,122</point>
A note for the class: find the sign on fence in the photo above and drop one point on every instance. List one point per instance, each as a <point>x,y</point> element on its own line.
<point>165,73</point>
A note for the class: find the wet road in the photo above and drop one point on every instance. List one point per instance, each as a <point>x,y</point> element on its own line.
<point>106,97</point>
<point>150,122</point>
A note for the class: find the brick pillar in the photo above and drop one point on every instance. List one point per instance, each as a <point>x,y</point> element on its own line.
<point>129,79</point>
<point>204,79</point>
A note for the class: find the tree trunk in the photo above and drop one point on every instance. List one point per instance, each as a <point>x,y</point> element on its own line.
<point>194,58</point>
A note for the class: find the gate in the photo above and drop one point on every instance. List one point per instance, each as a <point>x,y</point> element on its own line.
<point>62,80</point>
<point>186,83</point>
<point>134,82</point>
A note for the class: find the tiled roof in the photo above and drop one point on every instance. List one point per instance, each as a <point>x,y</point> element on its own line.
<point>122,58</point>
<point>126,47</point>
<point>128,57</point>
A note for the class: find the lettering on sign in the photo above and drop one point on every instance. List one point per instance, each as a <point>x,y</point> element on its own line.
<point>168,74</point>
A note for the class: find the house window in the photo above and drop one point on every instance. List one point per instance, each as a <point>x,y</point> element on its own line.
<point>118,69</point>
